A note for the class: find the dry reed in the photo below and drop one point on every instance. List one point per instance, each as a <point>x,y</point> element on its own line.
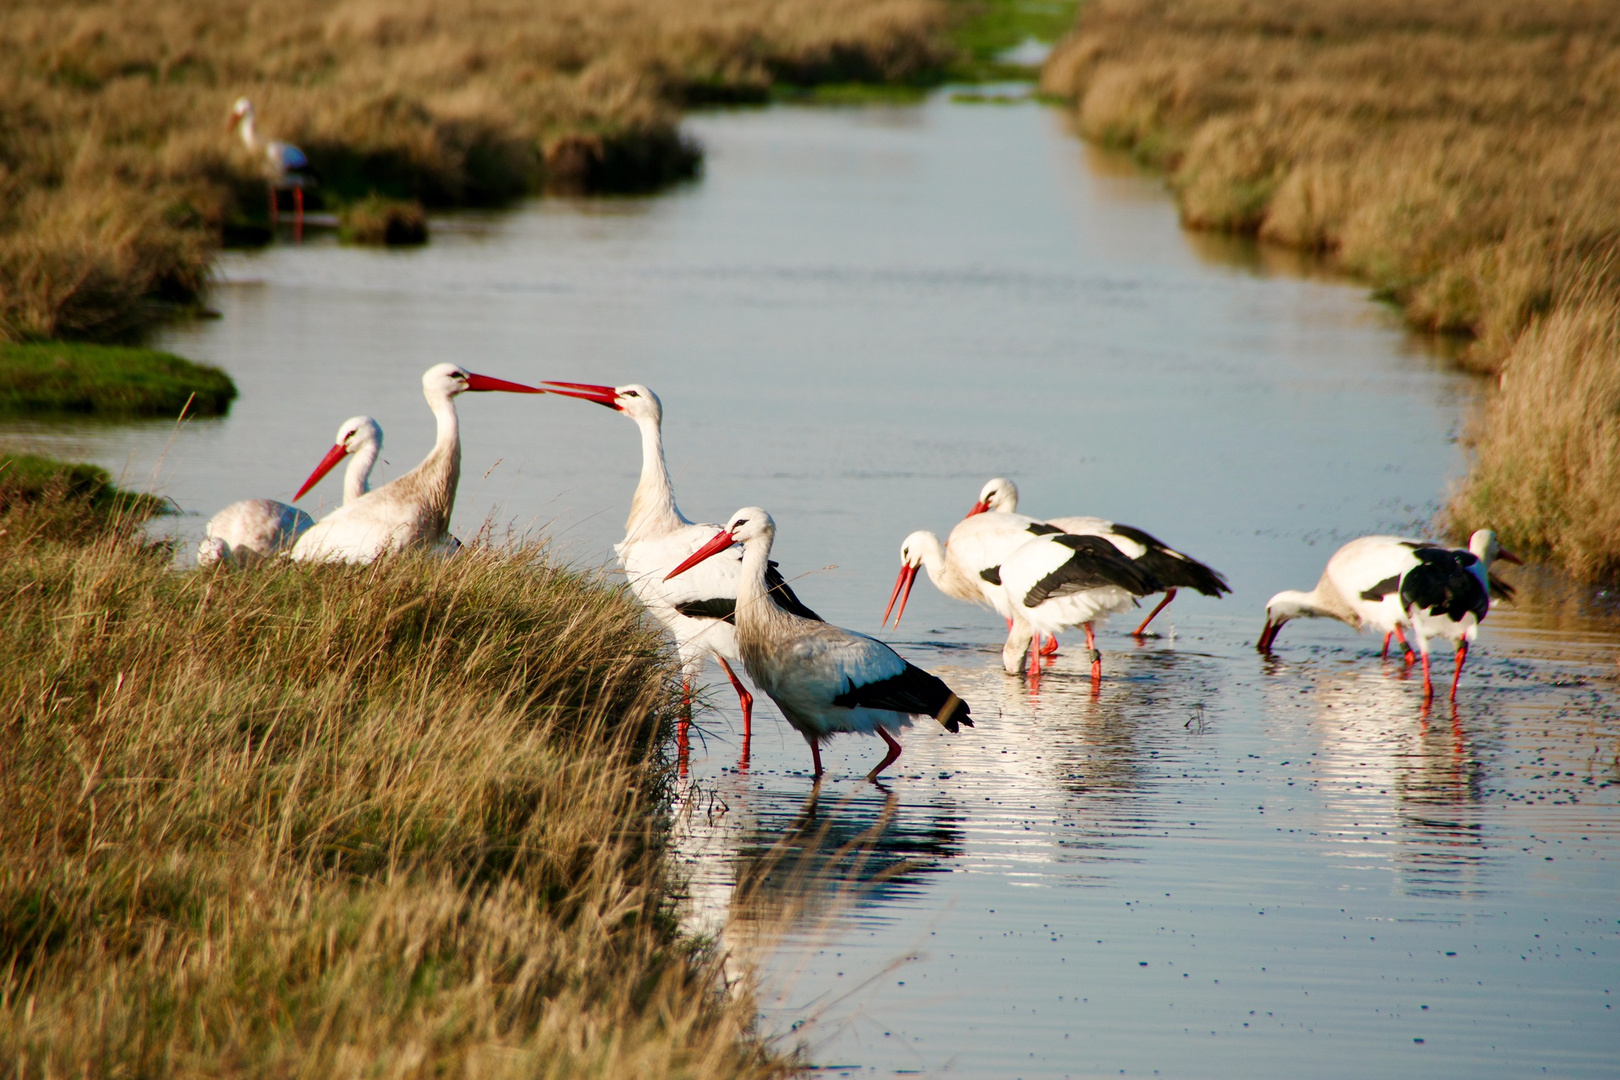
<point>1461,157</point>
<point>397,820</point>
<point>117,174</point>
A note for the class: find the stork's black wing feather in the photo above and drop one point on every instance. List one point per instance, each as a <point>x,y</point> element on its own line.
<point>912,691</point>
<point>1443,585</point>
<point>1041,528</point>
<point>719,608</point>
<point>784,596</point>
<point>1094,564</point>
<point>1174,569</point>
<point>992,574</point>
<point>1382,589</point>
<point>1500,590</point>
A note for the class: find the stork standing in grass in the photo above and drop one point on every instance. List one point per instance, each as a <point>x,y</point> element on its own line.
<point>286,166</point>
<point>1393,584</point>
<point>823,678</point>
<point>1173,569</point>
<point>413,511</point>
<point>1061,580</point>
<point>255,529</point>
<point>699,609</point>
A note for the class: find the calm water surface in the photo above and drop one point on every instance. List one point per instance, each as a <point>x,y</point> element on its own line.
<point>1219,866</point>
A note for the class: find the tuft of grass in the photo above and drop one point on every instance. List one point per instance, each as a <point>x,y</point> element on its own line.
<point>984,30</point>
<point>1461,158</point>
<point>337,820</point>
<point>107,380</point>
<point>43,499</point>
<point>380,220</point>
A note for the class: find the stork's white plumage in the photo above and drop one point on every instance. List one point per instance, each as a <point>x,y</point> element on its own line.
<point>413,511</point>
<point>1393,584</point>
<point>286,166</point>
<point>254,529</point>
<point>824,679</point>
<point>251,530</point>
<point>698,608</point>
<point>1061,580</point>
<point>1173,569</point>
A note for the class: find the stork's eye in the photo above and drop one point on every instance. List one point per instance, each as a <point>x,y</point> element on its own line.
<point>631,393</point>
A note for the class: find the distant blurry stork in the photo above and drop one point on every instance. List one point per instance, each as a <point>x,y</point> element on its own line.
<point>1173,569</point>
<point>823,678</point>
<point>286,166</point>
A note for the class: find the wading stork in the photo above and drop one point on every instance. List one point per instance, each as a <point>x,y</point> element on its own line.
<point>824,679</point>
<point>286,166</point>
<point>1173,569</point>
<point>253,529</point>
<point>1394,584</point>
<point>413,511</point>
<point>699,609</point>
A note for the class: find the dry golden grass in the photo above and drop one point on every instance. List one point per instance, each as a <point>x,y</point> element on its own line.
<point>116,171</point>
<point>1462,157</point>
<point>403,820</point>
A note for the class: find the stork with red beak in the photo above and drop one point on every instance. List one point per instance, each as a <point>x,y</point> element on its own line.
<point>413,511</point>
<point>700,609</point>
<point>1171,568</point>
<point>254,529</point>
<point>824,679</point>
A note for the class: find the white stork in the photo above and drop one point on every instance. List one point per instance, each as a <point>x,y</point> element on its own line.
<point>286,166</point>
<point>1391,584</point>
<point>1173,569</point>
<point>823,678</point>
<point>413,511</point>
<point>1059,580</point>
<point>699,611</point>
<point>259,528</point>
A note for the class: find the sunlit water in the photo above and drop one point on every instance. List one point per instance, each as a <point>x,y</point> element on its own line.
<point>1219,866</point>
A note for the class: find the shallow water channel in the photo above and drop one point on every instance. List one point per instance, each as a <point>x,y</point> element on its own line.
<point>1219,866</point>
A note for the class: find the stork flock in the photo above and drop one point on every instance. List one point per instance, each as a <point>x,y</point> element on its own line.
<point>718,592</point>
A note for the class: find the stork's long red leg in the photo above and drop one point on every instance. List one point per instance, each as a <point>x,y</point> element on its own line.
<point>1385,654</point>
<point>1051,647</point>
<point>1169,595</point>
<point>1462,654</point>
<point>1428,687</point>
<point>815,756</point>
<point>744,698</point>
<point>894,752</point>
<point>683,746</point>
<point>1096,657</point>
<point>1407,645</point>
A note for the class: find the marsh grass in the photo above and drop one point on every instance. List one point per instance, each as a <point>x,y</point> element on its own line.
<point>107,380</point>
<point>1461,157</point>
<point>43,499</point>
<point>118,178</point>
<point>403,819</point>
<point>379,220</point>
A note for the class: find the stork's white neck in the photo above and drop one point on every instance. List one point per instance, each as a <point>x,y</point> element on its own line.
<point>357,477</point>
<point>249,138</point>
<point>1322,602</point>
<point>756,614</point>
<point>652,510</point>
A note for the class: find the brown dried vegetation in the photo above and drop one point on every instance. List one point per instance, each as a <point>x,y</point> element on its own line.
<point>116,172</point>
<point>397,820</point>
<point>1463,157</point>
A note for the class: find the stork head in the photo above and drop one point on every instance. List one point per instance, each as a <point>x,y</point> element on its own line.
<point>242,110</point>
<point>1486,549</point>
<point>632,399</point>
<point>914,551</point>
<point>999,495</point>
<point>353,434</point>
<point>443,381</point>
<point>1286,605</point>
<point>748,524</point>
<point>212,551</point>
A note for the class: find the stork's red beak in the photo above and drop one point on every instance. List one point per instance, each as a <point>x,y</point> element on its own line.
<point>484,382</point>
<point>1268,634</point>
<point>333,456</point>
<point>1507,556</point>
<point>721,541</point>
<point>979,507</point>
<point>236,118</point>
<point>602,395</point>
<point>907,578</point>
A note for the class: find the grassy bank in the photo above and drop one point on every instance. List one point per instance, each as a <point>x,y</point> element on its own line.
<point>107,380</point>
<point>1461,157</point>
<point>399,820</point>
<point>42,499</point>
<point>117,175</point>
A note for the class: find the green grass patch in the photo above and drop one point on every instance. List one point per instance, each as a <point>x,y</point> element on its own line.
<point>378,220</point>
<point>42,497</point>
<point>984,30</point>
<point>107,380</point>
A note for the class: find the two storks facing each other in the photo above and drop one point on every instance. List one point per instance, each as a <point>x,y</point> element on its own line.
<point>1047,576</point>
<point>1394,584</point>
